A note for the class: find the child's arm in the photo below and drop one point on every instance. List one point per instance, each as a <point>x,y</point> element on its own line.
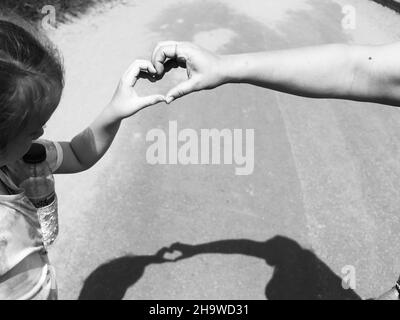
<point>363,73</point>
<point>89,146</point>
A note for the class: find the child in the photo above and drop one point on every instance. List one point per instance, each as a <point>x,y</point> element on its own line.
<point>31,83</point>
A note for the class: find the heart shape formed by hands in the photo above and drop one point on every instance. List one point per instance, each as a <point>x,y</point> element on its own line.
<point>203,70</point>
<point>203,67</point>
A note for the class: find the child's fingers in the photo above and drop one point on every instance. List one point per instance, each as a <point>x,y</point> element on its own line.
<point>132,74</point>
<point>144,102</point>
<point>150,68</point>
<point>146,75</point>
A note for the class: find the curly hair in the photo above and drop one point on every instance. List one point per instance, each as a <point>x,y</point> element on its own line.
<point>31,72</point>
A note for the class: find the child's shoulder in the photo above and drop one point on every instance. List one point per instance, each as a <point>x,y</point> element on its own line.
<point>8,218</point>
<point>54,156</point>
<point>54,153</point>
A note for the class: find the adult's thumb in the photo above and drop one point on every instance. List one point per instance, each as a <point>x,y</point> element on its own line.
<point>180,90</point>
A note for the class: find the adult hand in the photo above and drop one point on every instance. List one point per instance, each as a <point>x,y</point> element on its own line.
<point>203,67</point>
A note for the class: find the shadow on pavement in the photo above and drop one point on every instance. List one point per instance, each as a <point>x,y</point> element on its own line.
<point>298,273</point>
<point>111,280</point>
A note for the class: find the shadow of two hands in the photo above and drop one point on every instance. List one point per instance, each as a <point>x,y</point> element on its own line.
<point>175,252</point>
<point>297,272</point>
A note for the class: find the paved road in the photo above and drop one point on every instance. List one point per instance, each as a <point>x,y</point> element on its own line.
<point>324,193</point>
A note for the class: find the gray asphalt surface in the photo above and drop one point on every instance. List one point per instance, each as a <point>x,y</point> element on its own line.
<point>324,193</point>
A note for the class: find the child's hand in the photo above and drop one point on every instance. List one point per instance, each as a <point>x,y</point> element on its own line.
<point>125,101</point>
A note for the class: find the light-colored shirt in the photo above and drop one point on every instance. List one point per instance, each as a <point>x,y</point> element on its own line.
<point>25,272</point>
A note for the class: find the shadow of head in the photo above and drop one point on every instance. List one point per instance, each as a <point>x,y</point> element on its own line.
<point>279,251</point>
<point>300,274</point>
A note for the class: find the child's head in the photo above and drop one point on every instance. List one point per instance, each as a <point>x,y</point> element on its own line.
<point>31,82</point>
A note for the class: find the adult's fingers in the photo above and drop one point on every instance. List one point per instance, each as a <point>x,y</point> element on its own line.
<point>175,246</point>
<point>163,52</point>
<point>180,90</point>
<point>172,64</point>
<point>162,44</point>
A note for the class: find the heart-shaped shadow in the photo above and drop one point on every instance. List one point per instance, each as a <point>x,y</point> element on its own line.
<point>172,255</point>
